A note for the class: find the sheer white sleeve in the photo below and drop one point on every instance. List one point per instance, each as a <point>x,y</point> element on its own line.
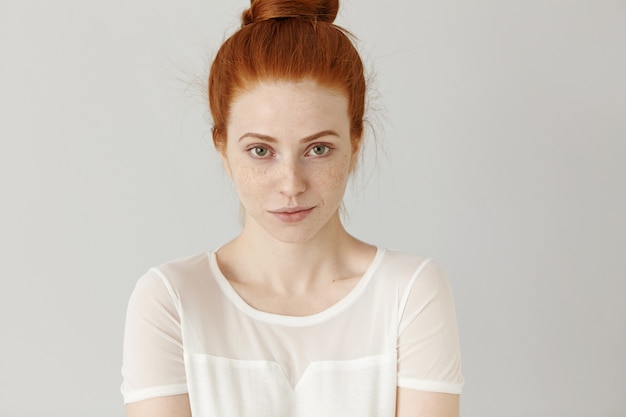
<point>429,357</point>
<point>153,361</point>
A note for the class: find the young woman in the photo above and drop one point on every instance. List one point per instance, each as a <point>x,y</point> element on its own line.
<point>294,317</point>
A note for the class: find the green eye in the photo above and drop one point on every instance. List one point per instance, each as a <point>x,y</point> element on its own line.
<point>319,150</point>
<point>259,151</point>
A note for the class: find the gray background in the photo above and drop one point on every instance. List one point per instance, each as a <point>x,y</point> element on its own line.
<point>501,129</point>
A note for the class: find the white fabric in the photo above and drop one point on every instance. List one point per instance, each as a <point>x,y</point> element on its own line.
<point>188,331</point>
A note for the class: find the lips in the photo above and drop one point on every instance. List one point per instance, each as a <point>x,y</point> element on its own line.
<point>292,214</point>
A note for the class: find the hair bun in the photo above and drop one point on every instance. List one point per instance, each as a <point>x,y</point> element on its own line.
<point>310,10</point>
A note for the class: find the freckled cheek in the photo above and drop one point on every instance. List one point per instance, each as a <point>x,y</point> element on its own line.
<point>250,182</point>
<point>327,179</point>
<point>331,179</point>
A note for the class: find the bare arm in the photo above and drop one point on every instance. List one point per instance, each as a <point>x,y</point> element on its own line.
<point>170,406</point>
<point>414,403</point>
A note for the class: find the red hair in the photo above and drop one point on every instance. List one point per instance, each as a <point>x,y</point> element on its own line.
<point>287,40</point>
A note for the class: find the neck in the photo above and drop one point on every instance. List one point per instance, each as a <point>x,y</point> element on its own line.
<point>290,267</point>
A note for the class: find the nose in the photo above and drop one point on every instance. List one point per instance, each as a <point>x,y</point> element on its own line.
<point>292,178</point>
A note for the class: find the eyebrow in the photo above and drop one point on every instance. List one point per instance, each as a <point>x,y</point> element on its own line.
<point>307,139</point>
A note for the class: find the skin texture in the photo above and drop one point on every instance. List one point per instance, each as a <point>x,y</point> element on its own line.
<point>413,403</point>
<point>289,147</point>
<point>170,406</point>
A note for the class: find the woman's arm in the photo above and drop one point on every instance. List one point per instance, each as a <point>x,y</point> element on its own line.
<point>170,406</point>
<point>153,368</point>
<point>414,403</point>
<point>429,357</point>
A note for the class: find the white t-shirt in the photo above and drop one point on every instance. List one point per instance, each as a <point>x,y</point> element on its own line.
<point>188,331</point>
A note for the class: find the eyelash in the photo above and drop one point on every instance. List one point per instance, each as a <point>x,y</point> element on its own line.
<point>251,150</point>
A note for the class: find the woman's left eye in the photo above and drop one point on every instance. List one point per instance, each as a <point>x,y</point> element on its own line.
<point>319,150</point>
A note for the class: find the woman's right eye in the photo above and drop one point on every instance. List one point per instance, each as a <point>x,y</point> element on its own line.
<point>259,152</point>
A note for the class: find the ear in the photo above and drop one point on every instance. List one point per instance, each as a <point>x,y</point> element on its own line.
<point>219,141</point>
<point>224,158</point>
<point>356,151</point>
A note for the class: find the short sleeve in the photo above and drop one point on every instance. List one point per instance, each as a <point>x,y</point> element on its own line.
<point>153,362</point>
<point>429,357</point>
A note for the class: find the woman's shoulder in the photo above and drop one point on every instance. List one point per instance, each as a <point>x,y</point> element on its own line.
<point>398,260</point>
<point>404,268</point>
<point>180,272</point>
<point>186,265</point>
<point>185,282</point>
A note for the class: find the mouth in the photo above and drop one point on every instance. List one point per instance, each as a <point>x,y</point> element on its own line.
<point>292,214</point>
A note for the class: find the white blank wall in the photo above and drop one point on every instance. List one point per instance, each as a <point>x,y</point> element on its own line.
<point>501,130</point>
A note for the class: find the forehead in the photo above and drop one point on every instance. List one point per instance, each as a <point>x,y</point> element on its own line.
<point>273,106</point>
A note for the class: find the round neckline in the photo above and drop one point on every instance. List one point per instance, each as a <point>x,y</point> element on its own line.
<point>293,321</point>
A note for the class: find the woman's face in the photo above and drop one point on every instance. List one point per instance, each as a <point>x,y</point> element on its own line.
<point>289,155</point>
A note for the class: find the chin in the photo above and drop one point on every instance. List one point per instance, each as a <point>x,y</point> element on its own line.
<point>306,230</point>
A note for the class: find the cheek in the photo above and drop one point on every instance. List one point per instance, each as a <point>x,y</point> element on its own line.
<point>325,179</point>
<point>333,178</point>
<point>249,181</point>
